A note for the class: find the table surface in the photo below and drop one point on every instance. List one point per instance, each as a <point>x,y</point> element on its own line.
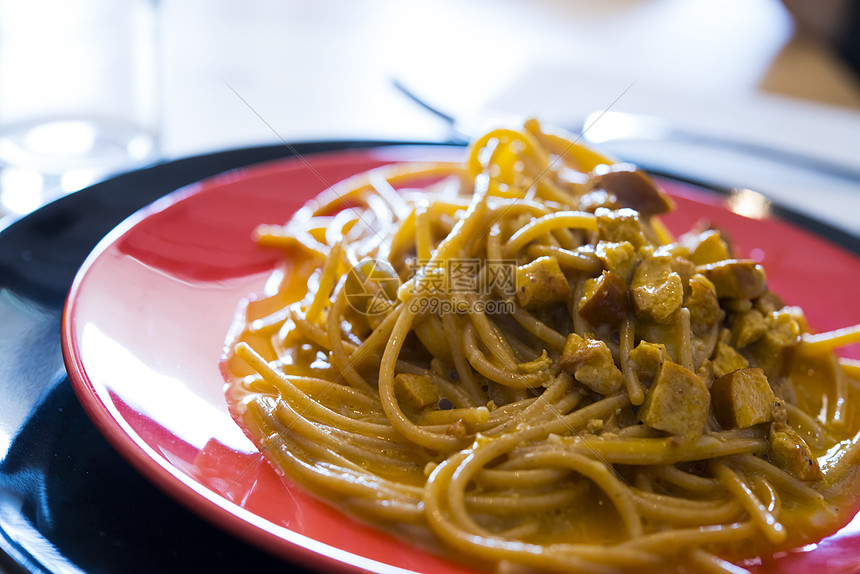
<point>257,71</point>
<point>266,71</point>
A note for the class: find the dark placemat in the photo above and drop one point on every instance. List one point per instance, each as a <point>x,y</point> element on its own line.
<point>68,501</point>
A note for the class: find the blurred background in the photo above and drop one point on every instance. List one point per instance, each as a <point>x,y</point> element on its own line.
<point>760,93</point>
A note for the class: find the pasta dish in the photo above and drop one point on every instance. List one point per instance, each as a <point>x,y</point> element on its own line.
<point>513,361</point>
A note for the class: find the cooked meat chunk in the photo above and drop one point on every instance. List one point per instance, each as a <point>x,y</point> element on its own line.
<point>646,358</point>
<point>736,278</point>
<point>743,398</point>
<point>684,268</point>
<point>789,451</point>
<point>768,303</point>
<point>703,304</point>
<point>415,392</point>
<point>620,225</point>
<point>632,187</point>
<point>678,402</point>
<point>540,283</point>
<point>620,258</point>
<point>656,290</point>
<point>706,373</point>
<point>748,328</point>
<point>458,429</point>
<point>542,363</point>
<point>785,326</point>
<point>604,300</point>
<point>782,332</point>
<point>707,247</point>
<point>726,360</point>
<point>590,362</point>
<point>703,345</point>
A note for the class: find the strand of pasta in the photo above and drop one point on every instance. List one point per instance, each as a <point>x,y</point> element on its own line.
<point>458,357</point>
<point>780,478</point>
<point>339,478</point>
<point>825,343</point>
<point>558,558</point>
<point>539,329</point>
<point>318,438</point>
<point>547,223</point>
<point>764,519</point>
<point>319,390</point>
<point>687,512</point>
<point>631,379</point>
<point>817,434</point>
<point>661,451</point>
<point>575,260</point>
<point>494,372</point>
<point>400,421</point>
<point>685,480</point>
<point>306,404</point>
<point>339,357</point>
<point>707,563</point>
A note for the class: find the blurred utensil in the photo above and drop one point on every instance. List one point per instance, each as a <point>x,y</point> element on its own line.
<point>603,127</point>
<point>814,186</point>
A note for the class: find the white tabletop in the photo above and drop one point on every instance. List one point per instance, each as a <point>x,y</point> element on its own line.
<point>262,71</point>
<point>324,69</point>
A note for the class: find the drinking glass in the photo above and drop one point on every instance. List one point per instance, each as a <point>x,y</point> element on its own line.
<point>78,95</point>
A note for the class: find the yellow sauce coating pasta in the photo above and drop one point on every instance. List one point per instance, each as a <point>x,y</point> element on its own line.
<point>513,357</point>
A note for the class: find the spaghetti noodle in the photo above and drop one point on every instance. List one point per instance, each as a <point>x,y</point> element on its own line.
<point>515,358</point>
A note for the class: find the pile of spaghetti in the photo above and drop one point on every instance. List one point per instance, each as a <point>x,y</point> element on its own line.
<point>513,356</point>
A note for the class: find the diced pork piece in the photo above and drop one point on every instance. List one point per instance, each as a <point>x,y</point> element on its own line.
<point>457,429</point>
<point>541,283</point>
<point>620,225</point>
<point>620,258</point>
<point>684,268</point>
<point>785,326</point>
<point>632,187</point>
<point>678,402</point>
<point>789,451</point>
<point>782,332</point>
<point>748,328</point>
<point>736,278</point>
<point>680,259</point>
<point>706,373</point>
<point>595,426</point>
<point>743,398</point>
<point>768,303</point>
<point>703,345</point>
<point>590,362</point>
<point>415,392</point>
<point>656,290</point>
<point>779,412</point>
<point>604,300</point>
<point>646,358</point>
<point>542,363</point>
<point>726,360</point>
<point>702,302</point>
<point>707,247</point>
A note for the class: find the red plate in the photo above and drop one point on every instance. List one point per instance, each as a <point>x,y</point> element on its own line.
<point>147,315</point>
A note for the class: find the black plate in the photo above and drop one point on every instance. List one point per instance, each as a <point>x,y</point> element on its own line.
<point>68,501</point>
